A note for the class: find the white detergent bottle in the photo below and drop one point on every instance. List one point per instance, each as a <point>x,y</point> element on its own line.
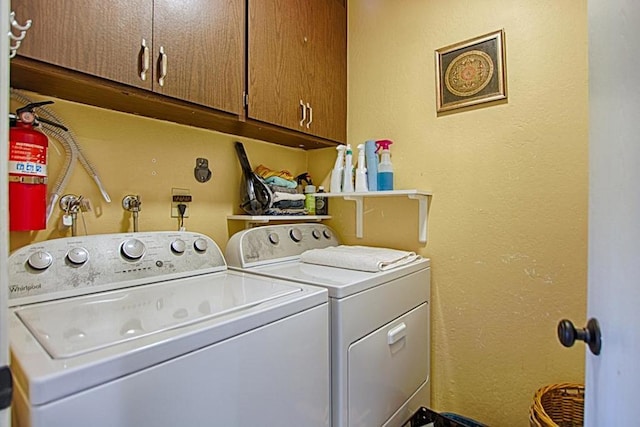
<point>347,176</point>
<point>385,168</point>
<point>338,170</point>
<point>361,171</point>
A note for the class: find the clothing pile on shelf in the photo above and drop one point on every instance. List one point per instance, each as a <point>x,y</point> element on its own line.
<point>286,200</point>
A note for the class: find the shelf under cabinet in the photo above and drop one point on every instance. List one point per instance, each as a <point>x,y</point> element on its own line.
<point>265,219</point>
<point>358,197</point>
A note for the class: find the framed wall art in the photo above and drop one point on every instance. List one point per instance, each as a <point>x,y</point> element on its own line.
<point>471,72</point>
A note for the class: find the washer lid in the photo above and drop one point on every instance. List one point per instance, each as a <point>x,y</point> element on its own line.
<point>76,326</point>
<point>340,282</point>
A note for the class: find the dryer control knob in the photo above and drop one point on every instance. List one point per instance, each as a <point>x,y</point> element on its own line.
<point>200,244</point>
<point>132,249</point>
<point>327,234</point>
<point>274,238</point>
<point>40,260</point>
<point>78,256</point>
<point>296,235</point>
<point>178,246</point>
<point>316,234</point>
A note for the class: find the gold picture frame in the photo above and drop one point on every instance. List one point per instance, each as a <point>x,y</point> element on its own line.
<point>471,72</point>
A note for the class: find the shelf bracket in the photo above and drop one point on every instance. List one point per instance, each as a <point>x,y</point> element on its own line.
<point>422,215</point>
<point>359,213</point>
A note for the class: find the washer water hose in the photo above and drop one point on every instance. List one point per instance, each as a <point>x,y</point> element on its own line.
<point>73,152</point>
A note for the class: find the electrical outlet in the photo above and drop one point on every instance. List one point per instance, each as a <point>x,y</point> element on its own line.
<point>178,196</point>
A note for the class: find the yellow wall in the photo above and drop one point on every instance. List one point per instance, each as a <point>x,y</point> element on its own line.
<point>136,155</point>
<point>508,219</point>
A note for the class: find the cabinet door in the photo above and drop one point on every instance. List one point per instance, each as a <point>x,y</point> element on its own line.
<point>297,54</point>
<point>203,43</point>
<point>278,48</point>
<point>102,38</point>
<point>327,70</point>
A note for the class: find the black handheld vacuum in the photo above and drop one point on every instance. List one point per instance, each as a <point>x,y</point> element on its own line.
<point>255,196</point>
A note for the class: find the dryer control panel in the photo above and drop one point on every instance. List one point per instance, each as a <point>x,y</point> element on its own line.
<point>79,265</point>
<point>264,245</point>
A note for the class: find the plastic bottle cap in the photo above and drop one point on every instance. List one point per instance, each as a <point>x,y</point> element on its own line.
<point>310,189</point>
<point>383,144</point>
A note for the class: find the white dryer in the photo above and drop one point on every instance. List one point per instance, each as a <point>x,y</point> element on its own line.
<point>151,329</point>
<point>380,329</point>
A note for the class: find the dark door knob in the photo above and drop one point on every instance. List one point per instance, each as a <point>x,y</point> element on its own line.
<point>568,334</point>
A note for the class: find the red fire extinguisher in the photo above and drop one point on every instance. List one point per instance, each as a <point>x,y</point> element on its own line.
<point>28,170</point>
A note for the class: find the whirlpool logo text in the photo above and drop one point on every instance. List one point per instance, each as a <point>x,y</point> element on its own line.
<point>23,288</point>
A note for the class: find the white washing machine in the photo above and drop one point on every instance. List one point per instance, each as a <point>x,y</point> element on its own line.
<point>380,330</point>
<point>151,329</point>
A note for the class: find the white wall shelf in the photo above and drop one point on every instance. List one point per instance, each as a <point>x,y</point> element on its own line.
<point>419,195</point>
<point>251,220</point>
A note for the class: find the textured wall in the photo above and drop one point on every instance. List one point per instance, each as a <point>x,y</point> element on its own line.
<point>508,219</point>
<point>136,155</point>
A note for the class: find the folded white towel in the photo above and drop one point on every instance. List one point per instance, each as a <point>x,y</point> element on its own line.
<point>278,196</point>
<point>363,258</point>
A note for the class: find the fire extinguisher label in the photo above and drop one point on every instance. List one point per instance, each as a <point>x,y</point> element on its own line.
<point>27,159</point>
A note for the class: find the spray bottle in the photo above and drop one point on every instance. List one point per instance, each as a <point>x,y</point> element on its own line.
<point>372,164</point>
<point>361,171</point>
<point>385,168</point>
<point>338,169</point>
<point>347,176</point>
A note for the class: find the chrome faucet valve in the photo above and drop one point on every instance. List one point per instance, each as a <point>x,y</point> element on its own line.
<point>132,204</point>
<point>70,204</point>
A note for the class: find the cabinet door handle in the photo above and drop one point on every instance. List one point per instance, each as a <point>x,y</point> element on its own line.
<point>304,113</point>
<point>144,60</point>
<point>163,66</point>
<point>310,115</point>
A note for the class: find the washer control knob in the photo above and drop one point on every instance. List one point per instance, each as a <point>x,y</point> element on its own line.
<point>274,238</point>
<point>296,235</point>
<point>132,249</point>
<point>315,234</point>
<point>200,244</point>
<point>327,234</point>
<point>40,260</point>
<point>178,246</point>
<point>78,256</point>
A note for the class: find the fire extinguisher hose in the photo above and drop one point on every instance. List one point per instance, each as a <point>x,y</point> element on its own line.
<point>73,152</point>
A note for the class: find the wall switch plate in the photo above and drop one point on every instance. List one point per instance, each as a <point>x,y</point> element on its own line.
<point>178,196</point>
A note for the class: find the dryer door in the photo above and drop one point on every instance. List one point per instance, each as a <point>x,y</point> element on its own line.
<point>387,366</point>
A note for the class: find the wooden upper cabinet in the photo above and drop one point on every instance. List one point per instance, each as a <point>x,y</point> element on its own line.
<point>102,38</point>
<point>328,69</point>
<point>169,59</point>
<point>297,65</point>
<point>202,44</point>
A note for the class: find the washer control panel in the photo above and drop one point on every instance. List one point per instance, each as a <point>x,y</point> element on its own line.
<point>85,264</point>
<point>263,245</point>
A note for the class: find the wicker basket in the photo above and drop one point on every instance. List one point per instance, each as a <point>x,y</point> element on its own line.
<point>558,405</point>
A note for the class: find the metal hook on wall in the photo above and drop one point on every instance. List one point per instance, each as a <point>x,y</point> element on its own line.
<point>16,25</point>
<point>13,48</point>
